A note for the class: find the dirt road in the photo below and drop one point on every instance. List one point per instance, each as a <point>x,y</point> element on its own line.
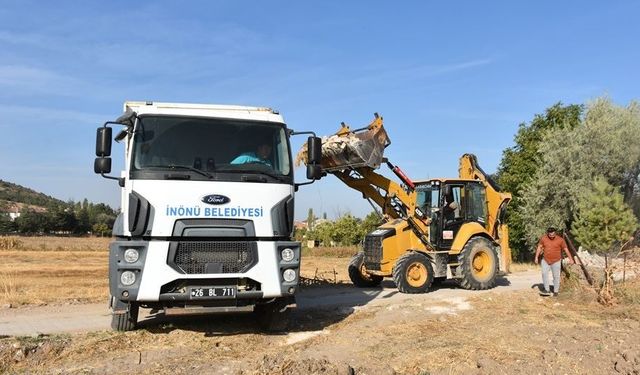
<point>344,298</point>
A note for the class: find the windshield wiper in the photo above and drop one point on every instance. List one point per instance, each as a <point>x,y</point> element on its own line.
<point>174,166</point>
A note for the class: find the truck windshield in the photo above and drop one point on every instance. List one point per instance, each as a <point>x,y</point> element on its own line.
<point>210,145</point>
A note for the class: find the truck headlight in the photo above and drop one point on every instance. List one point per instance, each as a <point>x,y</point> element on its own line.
<point>289,275</point>
<point>131,255</point>
<point>127,278</point>
<point>287,254</point>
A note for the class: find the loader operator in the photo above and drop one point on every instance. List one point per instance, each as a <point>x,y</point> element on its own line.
<point>552,247</point>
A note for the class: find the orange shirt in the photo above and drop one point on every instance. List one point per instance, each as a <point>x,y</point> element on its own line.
<point>552,248</point>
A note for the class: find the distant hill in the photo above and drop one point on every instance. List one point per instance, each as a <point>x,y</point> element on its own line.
<point>14,195</point>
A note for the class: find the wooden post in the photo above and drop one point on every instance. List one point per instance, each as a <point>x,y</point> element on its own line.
<point>624,267</point>
<point>573,251</point>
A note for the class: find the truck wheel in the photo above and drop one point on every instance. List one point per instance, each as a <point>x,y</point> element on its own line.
<point>126,321</point>
<point>274,316</point>
<point>413,273</point>
<point>358,273</point>
<point>478,264</point>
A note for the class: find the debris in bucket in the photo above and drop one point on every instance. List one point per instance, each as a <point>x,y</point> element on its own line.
<point>351,149</point>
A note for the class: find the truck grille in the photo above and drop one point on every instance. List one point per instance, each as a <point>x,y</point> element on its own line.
<point>372,252</point>
<point>199,257</point>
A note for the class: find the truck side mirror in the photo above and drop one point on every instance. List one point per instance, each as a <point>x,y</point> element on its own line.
<point>102,165</point>
<point>103,142</point>
<point>314,150</point>
<point>314,172</point>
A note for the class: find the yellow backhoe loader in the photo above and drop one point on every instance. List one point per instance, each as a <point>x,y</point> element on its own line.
<point>433,230</point>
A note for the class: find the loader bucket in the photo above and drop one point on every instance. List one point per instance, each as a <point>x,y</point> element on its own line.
<point>351,149</point>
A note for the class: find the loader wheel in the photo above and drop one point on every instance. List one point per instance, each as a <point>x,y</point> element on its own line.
<point>413,273</point>
<point>478,264</point>
<point>126,321</point>
<point>358,273</point>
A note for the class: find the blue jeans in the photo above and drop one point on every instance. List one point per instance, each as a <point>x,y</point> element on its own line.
<point>555,271</point>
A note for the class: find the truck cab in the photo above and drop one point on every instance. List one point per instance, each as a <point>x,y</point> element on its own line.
<point>207,205</point>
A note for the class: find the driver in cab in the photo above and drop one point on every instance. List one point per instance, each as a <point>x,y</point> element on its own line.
<point>261,155</point>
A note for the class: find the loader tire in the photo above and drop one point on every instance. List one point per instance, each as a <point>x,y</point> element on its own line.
<point>439,280</point>
<point>413,273</point>
<point>128,321</point>
<point>358,273</point>
<point>478,267</point>
<point>275,316</point>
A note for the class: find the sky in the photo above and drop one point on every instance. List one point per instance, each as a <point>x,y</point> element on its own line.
<point>448,77</point>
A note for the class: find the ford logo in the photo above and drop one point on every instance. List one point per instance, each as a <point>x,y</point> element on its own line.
<point>215,199</point>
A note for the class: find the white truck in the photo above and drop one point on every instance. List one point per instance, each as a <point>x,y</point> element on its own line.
<point>207,205</point>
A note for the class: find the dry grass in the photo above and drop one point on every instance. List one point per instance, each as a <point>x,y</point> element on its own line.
<point>10,243</point>
<point>8,286</point>
<point>42,277</point>
<point>48,243</point>
<point>324,270</point>
<point>336,252</point>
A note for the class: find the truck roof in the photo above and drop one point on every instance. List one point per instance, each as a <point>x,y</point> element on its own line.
<point>204,110</point>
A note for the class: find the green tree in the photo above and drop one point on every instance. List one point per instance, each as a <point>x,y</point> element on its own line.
<point>322,232</point>
<point>521,162</point>
<point>31,221</point>
<point>84,220</point>
<point>369,223</point>
<point>347,231</point>
<point>6,225</point>
<point>602,218</point>
<point>101,229</point>
<point>311,219</point>
<point>63,219</point>
<point>607,144</point>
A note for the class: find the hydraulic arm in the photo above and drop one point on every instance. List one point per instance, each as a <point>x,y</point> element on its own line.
<point>395,200</point>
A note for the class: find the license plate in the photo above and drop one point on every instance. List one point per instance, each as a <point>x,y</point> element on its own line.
<point>213,292</point>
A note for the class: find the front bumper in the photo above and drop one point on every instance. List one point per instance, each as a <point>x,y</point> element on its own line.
<point>158,280</point>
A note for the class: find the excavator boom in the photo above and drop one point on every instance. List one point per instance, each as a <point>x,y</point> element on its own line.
<point>496,199</point>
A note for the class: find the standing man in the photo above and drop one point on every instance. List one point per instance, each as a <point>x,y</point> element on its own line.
<point>552,247</point>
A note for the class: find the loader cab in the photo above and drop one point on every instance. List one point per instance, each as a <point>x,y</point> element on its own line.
<point>450,204</point>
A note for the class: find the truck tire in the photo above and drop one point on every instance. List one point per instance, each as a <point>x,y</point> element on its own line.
<point>274,316</point>
<point>358,275</point>
<point>413,273</point>
<point>126,321</point>
<point>478,264</point>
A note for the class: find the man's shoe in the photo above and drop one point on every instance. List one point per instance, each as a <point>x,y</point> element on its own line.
<point>545,293</point>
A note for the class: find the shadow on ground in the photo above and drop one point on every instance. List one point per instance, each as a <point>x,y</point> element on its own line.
<point>317,308</point>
